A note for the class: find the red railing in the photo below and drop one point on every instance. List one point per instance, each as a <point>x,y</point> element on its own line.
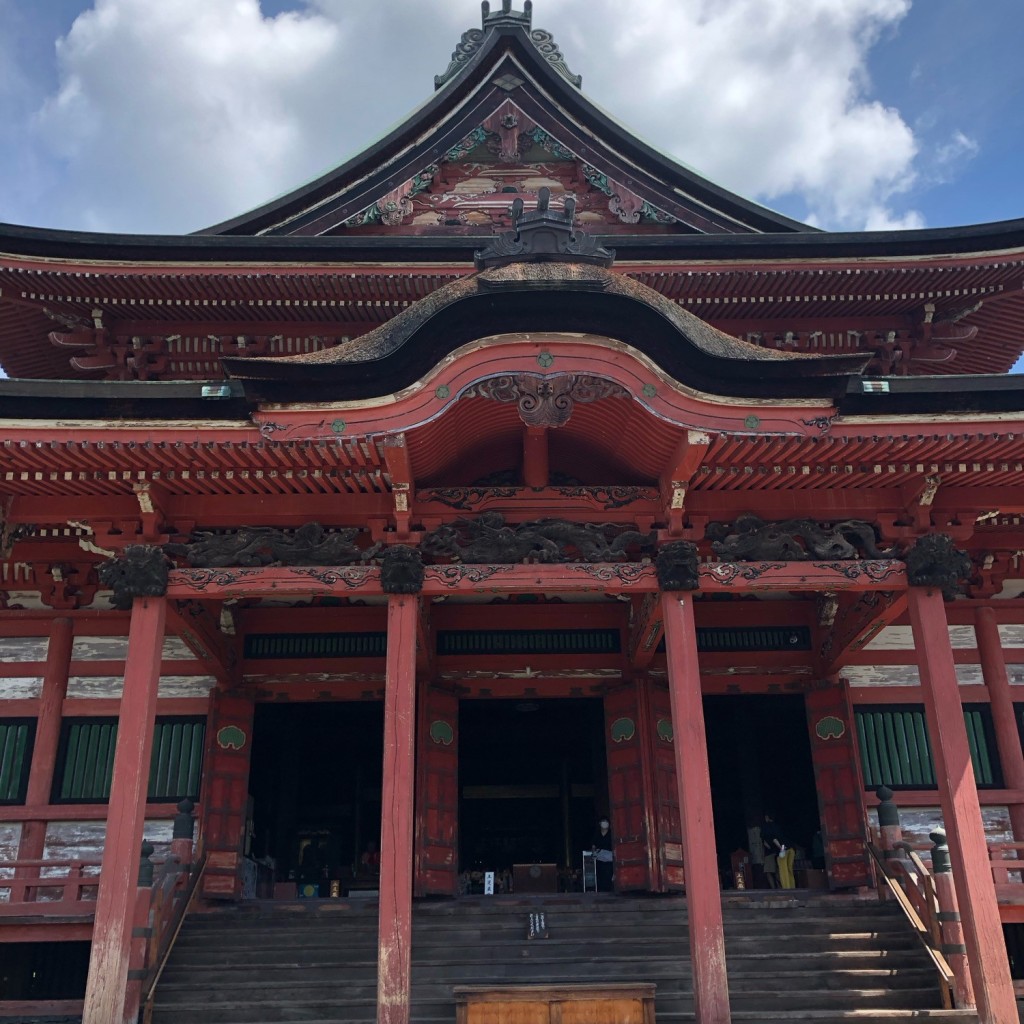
<point>48,887</point>
<point>902,875</point>
<point>1007,862</point>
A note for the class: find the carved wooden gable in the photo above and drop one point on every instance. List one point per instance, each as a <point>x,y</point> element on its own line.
<point>508,155</point>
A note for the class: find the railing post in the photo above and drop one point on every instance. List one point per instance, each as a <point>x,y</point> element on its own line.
<point>952,948</point>
<point>890,831</point>
<point>141,933</point>
<point>183,833</point>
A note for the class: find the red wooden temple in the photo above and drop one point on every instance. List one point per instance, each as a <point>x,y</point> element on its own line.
<point>508,476</point>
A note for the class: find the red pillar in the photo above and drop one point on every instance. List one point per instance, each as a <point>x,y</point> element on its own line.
<point>1004,716</point>
<point>394,942</point>
<point>44,752</point>
<point>115,903</point>
<point>961,810</point>
<point>703,895</point>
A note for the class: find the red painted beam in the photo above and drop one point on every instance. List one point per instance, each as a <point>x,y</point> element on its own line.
<point>703,896</point>
<point>394,953</point>
<point>607,578</point>
<point>858,620</point>
<point>115,904</point>
<point>961,811</point>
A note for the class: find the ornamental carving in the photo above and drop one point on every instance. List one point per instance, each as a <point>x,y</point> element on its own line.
<point>507,18</point>
<point>489,540</point>
<point>401,571</point>
<point>543,235</point>
<point>678,566</point>
<point>934,561</point>
<point>140,572</point>
<point>751,539</point>
<point>465,499</point>
<point>546,401</point>
<point>310,544</point>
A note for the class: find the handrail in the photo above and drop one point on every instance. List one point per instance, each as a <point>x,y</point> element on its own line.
<point>928,932</point>
<point>169,935</point>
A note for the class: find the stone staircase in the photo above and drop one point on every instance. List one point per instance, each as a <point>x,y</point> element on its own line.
<point>819,959</point>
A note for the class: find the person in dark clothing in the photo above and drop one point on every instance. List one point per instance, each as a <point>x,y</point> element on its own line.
<point>604,856</point>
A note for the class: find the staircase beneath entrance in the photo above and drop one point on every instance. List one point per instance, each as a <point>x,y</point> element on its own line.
<point>817,959</point>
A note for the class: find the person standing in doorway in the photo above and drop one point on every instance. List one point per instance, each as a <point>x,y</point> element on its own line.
<point>604,855</point>
<point>771,840</point>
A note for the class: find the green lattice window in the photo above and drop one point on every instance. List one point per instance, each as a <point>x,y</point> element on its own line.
<point>895,750</point>
<point>16,736</point>
<point>85,760</point>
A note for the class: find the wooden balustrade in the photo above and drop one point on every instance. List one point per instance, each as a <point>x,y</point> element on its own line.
<point>48,887</point>
<point>902,874</point>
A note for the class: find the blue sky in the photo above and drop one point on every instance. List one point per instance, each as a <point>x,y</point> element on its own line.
<point>166,115</point>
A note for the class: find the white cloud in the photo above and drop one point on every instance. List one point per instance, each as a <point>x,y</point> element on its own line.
<point>766,97</point>
<point>170,116</point>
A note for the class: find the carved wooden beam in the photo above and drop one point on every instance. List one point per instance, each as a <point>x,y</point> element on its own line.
<point>579,577</point>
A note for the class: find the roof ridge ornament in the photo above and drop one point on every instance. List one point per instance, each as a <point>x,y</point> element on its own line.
<point>472,40</point>
<point>543,235</point>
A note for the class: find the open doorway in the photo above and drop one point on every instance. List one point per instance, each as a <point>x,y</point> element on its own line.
<point>315,783</point>
<point>532,777</point>
<point>759,756</point>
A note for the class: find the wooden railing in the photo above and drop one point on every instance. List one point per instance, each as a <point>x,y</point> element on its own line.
<point>1007,861</point>
<point>173,895</point>
<point>904,876</point>
<point>48,888</point>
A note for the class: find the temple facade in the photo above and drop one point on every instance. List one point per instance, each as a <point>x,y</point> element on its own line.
<point>508,477</point>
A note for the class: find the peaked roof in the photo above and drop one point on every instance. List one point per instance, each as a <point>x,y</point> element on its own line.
<point>508,83</point>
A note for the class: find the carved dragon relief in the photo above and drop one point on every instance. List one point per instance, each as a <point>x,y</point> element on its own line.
<point>488,539</point>
<point>751,539</point>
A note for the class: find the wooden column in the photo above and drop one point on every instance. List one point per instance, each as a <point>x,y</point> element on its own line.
<point>703,896</point>
<point>394,942</point>
<point>115,903</point>
<point>646,729</point>
<point>961,809</point>
<point>1004,716</point>
<point>44,751</point>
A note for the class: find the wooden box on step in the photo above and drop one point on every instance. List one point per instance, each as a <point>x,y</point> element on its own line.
<point>554,1004</point>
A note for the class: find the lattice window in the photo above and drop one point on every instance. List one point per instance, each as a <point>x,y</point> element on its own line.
<point>16,736</point>
<point>85,760</point>
<point>895,750</point>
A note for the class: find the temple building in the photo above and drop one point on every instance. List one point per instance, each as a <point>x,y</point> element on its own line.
<point>359,554</point>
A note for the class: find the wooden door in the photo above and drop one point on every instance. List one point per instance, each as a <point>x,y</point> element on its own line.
<point>838,778</point>
<point>669,829</point>
<point>626,788</point>
<point>437,793</point>
<point>225,794</point>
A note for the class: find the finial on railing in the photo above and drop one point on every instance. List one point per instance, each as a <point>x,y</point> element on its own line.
<point>184,821</point>
<point>145,864</point>
<point>888,812</point>
<point>940,852</point>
